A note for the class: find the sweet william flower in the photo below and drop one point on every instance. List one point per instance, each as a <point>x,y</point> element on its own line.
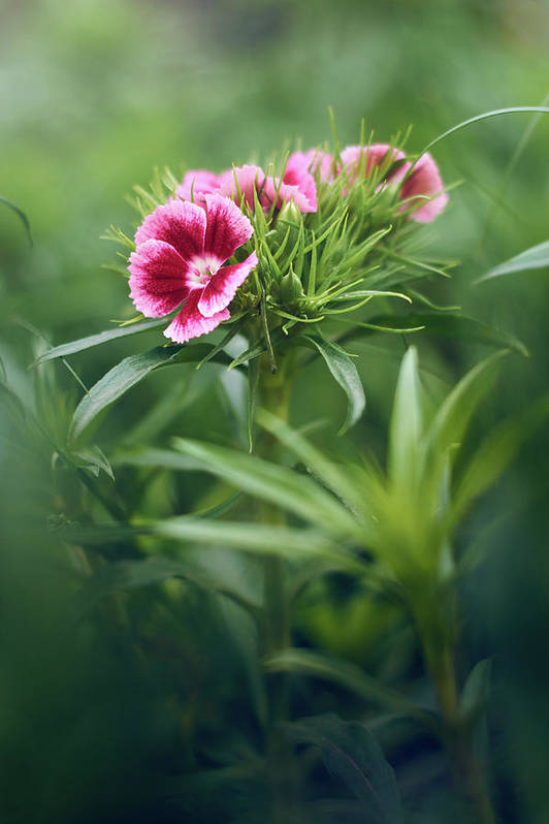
<point>242,183</point>
<point>373,156</point>
<point>180,251</point>
<point>425,184</point>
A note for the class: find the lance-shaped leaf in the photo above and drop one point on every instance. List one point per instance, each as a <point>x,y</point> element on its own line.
<point>130,372</point>
<point>96,340</point>
<point>352,755</point>
<point>344,372</point>
<point>277,484</point>
<point>535,258</point>
<point>406,425</point>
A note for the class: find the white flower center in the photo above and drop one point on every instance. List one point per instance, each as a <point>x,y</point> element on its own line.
<point>202,268</point>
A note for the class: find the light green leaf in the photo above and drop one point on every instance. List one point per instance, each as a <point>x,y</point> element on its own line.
<point>277,484</point>
<point>406,424</point>
<point>96,340</point>
<point>332,475</point>
<point>535,258</point>
<point>249,537</point>
<point>345,373</point>
<point>456,410</point>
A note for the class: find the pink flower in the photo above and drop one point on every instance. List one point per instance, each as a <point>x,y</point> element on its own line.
<point>424,182</point>
<point>179,257</point>
<point>198,182</point>
<point>375,155</point>
<point>297,185</point>
<point>317,162</point>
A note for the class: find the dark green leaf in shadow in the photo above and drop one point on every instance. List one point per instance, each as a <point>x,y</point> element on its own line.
<point>20,214</point>
<point>353,756</point>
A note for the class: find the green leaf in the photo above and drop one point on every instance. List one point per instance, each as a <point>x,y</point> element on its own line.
<point>128,575</point>
<point>277,484</point>
<point>406,424</point>
<point>128,373</point>
<point>332,475</point>
<point>495,453</point>
<point>535,258</point>
<point>445,325</point>
<point>350,676</point>
<point>345,373</point>
<point>484,116</point>
<point>92,459</point>
<point>96,340</point>
<point>474,696</point>
<point>451,420</point>
<point>20,214</point>
<point>248,537</point>
<point>351,754</point>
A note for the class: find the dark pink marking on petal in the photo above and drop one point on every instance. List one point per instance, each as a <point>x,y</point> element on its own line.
<point>190,323</point>
<point>221,287</point>
<point>196,184</point>
<point>179,223</point>
<point>425,181</point>
<point>157,278</point>
<point>226,227</point>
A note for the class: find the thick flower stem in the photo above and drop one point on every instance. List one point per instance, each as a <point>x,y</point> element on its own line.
<point>468,777</point>
<point>274,395</point>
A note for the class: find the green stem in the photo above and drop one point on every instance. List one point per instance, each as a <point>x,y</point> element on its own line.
<point>457,738</point>
<point>274,395</point>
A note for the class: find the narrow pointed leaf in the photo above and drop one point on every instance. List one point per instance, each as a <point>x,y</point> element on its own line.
<point>345,373</point>
<point>20,214</point>
<point>535,258</point>
<point>276,484</point>
<point>127,374</point>
<point>406,423</point>
<point>96,340</point>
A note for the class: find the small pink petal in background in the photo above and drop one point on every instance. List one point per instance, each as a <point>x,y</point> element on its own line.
<point>425,181</point>
<point>196,184</point>
<point>375,154</point>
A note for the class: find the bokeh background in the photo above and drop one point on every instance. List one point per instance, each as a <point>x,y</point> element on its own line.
<point>93,95</point>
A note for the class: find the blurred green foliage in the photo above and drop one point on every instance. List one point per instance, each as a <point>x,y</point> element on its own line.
<point>94,94</point>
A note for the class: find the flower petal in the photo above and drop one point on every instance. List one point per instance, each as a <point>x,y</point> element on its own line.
<point>190,323</point>
<point>226,228</point>
<point>157,278</point>
<point>222,286</point>
<point>320,162</point>
<point>297,174</point>
<point>241,182</point>
<point>196,184</point>
<point>425,181</point>
<point>375,155</point>
<point>275,191</point>
<point>179,223</point>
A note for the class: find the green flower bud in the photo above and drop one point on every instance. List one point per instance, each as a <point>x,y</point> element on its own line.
<point>291,289</point>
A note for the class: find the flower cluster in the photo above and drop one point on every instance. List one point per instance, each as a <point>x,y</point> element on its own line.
<point>194,251</point>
